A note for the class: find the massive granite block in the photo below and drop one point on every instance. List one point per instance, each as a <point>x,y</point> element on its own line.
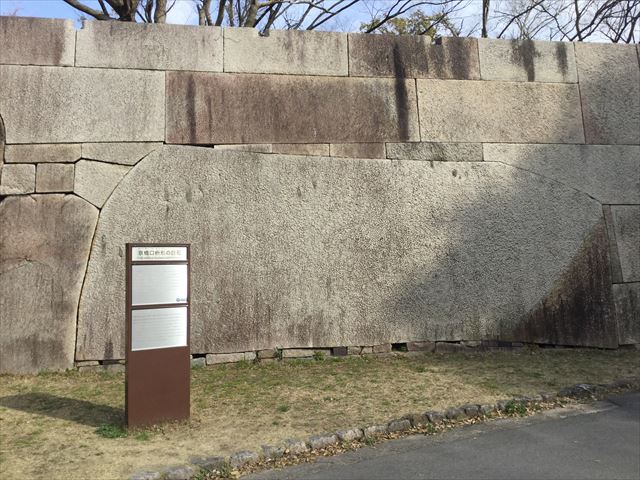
<point>463,111</point>
<point>626,224</point>
<point>527,61</point>
<point>316,252</point>
<point>285,51</point>
<point>68,105</point>
<point>44,248</point>
<point>43,153</point>
<point>94,181</point>
<point>439,152</point>
<point>610,90</point>
<point>627,302</point>
<point>209,108</point>
<point>36,41</point>
<point>149,46</point>
<point>609,173</point>
<point>413,56</point>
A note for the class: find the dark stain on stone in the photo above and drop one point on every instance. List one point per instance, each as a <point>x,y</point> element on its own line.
<point>561,58</point>
<point>524,53</point>
<point>454,172</point>
<point>108,350</point>
<point>189,194</point>
<point>401,94</point>
<point>314,183</point>
<point>299,192</point>
<point>191,109</point>
<point>579,309</point>
<point>453,55</point>
<point>3,137</point>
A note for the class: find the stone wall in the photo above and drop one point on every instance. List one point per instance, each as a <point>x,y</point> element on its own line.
<point>338,190</point>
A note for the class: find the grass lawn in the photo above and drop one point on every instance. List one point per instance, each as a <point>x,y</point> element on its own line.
<point>69,425</point>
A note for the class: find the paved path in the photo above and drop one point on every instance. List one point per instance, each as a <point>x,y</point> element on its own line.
<point>600,441</point>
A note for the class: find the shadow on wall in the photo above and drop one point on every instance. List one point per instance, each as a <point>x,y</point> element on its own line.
<point>79,411</point>
<point>3,136</point>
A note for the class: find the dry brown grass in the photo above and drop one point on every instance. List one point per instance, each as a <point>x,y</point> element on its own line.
<point>48,422</point>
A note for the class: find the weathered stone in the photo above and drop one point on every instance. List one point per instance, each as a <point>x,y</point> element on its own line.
<point>317,149</point>
<point>616,268</point>
<point>180,472</point>
<point>626,223</point>
<point>198,362</point>
<point>36,41</point>
<point>216,358</point>
<point>434,417</point>
<point>113,368</point>
<point>268,353</point>
<point>358,150</point>
<point>326,227</point>
<point>455,414</point>
<point>413,56</point>
<point>457,111</point>
<point>366,351</point>
<point>383,348</point>
<point>416,419</point>
<point>122,153</point>
<point>157,46</point>
<point>421,346</point>
<point>68,105</point>
<point>472,343</point>
<point>209,463</point>
<point>610,92</point>
<point>249,356</point>
<point>297,353</point>
<point>527,61</point>
<point>580,390</point>
<point>54,177</point>
<point>87,363</point>
<point>44,247</point>
<point>340,109</point>
<point>247,147</point>
<point>349,435</point>
<point>354,350</point>
<point>95,181</point>
<point>608,173</point>
<point>487,409</point>
<point>241,459</point>
<point>401,425</point>
<point>339,352</point>
<point>627,301</point>
<point>322,441</point>
<point>439,152</point>
<point>295,447</point>
<point>42,153</point>
<point>269,451</point>
<point>18,179</point>
<point>501,405</point>
<point>450,347</point>
<point>548,397</point>
<point>146,475</point>
<point>471,411</point>
<point>375,430</point>
<point>295,52</point>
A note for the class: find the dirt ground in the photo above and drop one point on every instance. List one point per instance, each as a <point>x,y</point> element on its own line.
<point>56,425</point>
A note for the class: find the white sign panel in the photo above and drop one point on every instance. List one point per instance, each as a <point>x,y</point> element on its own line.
<point>158,328</point>
<point>158,284</point>
<point>151,254</point>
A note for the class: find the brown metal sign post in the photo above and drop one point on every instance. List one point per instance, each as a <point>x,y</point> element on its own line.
<point>157,334</point>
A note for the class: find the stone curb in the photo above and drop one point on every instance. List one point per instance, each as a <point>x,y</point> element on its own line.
<point>407,423</point>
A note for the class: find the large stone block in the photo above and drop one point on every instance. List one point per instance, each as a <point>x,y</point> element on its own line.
<point>627,302</point>
<point>149,46</point>
<point>439,152</point>
<point>95,181</point>
<point>610,90</point>
<point>282,246</point>
<point>43,153</point>
<point>609,173</point>
<point>413,56</point>
<point>18,179</point>
<point>462,111</point>
<point>68,105</point>
<point>527,61</point>
<point>44,248</point>
<point>626,223</point>
<point>36,41</point>
<point>122,153</point>
<point>285,51</point>
<point>358,150</point>
<point>54,177</point>
<point>288,109</point>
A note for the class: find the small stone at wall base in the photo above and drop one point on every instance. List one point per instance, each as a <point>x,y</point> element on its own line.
<point>209,463</point>
<point>455,414</point>
<point>471,411</point>
<point>354,350</point>
<point>181,472</point>
<point>240,459</point>
<point>448,347</point>
<point>54,177</point>
<point>367,350</point>
<point>249,356</point>
<point>349,435</point>
<point>297,353</point>
<point>269,451</point>
<point>270,353</point>
<point>399,425</point>
<point>146,475</point>
<point>216,358</point>
<point>339,351</point>
<point>487,409</point>
<point>416,419</point>
<point>322,441</point>
<point>373,430</point>
<point>18,179</point>
<point>384,348</point>
<point>87,363</point>
<point>421,346</point>
<point>198,362</point>
<point>434,417</point>
<point>295,447</point>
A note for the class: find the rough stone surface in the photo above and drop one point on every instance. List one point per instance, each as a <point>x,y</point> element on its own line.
<point>454,263</point>
<point>609,173</point>
<point>301,148</point>
<point>157,46</point>
<point>401,425</point>
<point>215,358</point>
<point>18,179</point>
<point>340,109</point>
<point>610,90</point>
<point>626,223</point>
<point>463,111</point>
<point>122,153</point>
<point>527,61</point>
<point>471,411</point>
<point>240,459</point>
<point>354,350</point>
<point>69,105</point>
<point>285,51</point>
<point>358,150</point>
<point>366,350</point>
<point>42,153</point>
<point>383,348</point>
<point>269,451</point>
<point>44,248</point>
<point>627,301</point>
<point>54,177</point>
<point>247,147</point>
<point>439,152</point>
<point>616,268</point>
<point>268,353</point>
<point>455,414</point>
<point>374,430</point>
<point>95,181</point>
<point>198,362</point>
<point>36,41</point>
<point>487,409</point>
<point>297,353</point>
<point>339,351</point>
<point>434,417</point>
<point>146,475</point>
<point>249,356</point>
<point>349,435</point>
<point>413,56</point>
<point>322,441</point>
<point>416,419</point>
<point>180,472</point>
<point>209,462</point>
<point>548,396</point>
<point>295,447</point>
